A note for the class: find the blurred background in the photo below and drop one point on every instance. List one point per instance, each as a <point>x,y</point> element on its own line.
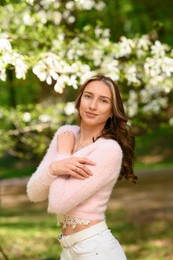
<point>48,48</point>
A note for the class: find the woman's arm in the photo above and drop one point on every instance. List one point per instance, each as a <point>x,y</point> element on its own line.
<point>66,195</point>
<point>73,166</point>
<point>39,183</point>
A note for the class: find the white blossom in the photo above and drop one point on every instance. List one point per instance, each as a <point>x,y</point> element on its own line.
<point>5,46</point>
<point>30,1</point>
<point>84,68</point>
<point>144,96</point>
<point>42,15</point>
<point>2,73</point>
<point>106,33</point>
<point>85,76</point>
<point>47,3</point>
<point>70,5</point>
<point>155,105</point>
<point>26,117</point>
<point>47,68</point>
<point>143,43</point>
<point>131,75</point>
<point>97,56</point>
<point>73,81</point>
<point>54,16</point>
<point>167,66</point>
<point>100,5</point>
<point>132,104</point>
<point>158,49</point>
<point>124,47</point>
<point>110,67</point>
<point>20,66</point>
<point>85,4</point>
<point>44,118</point>
<point>17,60</point>
<point>71,19</point>
<point>27,19</point>
<point>69,108</point>
<point>61,83</point>
<point>98,31</point>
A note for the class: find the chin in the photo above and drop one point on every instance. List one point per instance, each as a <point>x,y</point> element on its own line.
<point>93,123</point>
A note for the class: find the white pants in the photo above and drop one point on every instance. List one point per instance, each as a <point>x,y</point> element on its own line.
<point>102,246</point>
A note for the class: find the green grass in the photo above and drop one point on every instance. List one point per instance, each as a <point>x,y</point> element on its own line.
<point>154,150</point>
<point>32,234</point>
<point>29,235</point>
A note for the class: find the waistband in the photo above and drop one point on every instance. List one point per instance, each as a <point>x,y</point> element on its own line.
<point>70,240</point>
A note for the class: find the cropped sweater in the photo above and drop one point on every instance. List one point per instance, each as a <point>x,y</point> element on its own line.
<point>74,200</point>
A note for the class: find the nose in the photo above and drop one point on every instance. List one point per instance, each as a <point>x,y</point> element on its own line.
<point>93,104</point>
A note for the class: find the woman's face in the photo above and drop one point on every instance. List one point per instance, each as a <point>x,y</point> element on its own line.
<point>96,104</point>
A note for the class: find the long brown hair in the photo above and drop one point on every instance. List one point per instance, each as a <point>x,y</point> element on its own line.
<point>116,126</point>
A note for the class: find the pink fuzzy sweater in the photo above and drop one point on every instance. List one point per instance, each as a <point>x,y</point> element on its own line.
<point>82,199</point>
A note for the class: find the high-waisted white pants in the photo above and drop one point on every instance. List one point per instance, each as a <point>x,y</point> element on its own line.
<point>102,246</point>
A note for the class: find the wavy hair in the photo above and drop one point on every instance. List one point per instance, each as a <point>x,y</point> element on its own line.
<point>116,126</point>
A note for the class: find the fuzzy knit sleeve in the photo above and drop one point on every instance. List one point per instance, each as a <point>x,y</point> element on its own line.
<point>65,195</point>
<point>41,179</point>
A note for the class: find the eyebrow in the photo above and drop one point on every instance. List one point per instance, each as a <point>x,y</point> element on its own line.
<point>92,94</point>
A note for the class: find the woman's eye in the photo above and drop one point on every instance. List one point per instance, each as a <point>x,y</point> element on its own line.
<point>104,101</point>
<point>87,96</point>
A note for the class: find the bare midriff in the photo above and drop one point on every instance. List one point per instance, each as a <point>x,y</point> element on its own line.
<point>79,227</point>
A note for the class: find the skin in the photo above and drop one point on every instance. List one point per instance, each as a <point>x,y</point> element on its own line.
<point>95,108</point>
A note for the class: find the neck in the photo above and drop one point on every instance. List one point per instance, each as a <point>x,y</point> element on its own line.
<point>86,136</point>
<point>89,133</point>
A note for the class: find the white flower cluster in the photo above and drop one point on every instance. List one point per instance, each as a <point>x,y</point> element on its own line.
<point>131,74</point>
<point>123,48</point>
<point>46,69</point>
<point>52,69</point>
<point>155,105</point>
<point>80,4</point>
<point>89,4</point>
<point>131,105</point>
<point>8,57</point>
<point>143,66</point>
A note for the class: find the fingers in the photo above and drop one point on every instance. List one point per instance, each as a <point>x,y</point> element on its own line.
<point>81,170</point>
<point>80,174</point>
<point>87,161</point>
<point>76,167</point>
<point>84,170</point>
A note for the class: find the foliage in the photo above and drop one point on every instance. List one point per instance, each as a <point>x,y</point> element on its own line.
<point>24,127</point>
<point>45,38</point>
<point>48,43</point>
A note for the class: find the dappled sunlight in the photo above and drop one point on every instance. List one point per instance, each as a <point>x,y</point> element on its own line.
<point>34,245</point>
<point>140,217</point>
<point>152,158</point>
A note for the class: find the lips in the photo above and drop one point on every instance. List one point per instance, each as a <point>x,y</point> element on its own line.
<point>90,114</point>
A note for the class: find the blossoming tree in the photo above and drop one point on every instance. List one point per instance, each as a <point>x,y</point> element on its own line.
<point>41,36</point>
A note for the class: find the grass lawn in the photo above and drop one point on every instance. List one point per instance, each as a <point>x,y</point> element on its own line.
<point>31,234</point>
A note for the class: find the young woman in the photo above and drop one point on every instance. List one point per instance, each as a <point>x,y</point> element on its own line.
<point>80,168</point>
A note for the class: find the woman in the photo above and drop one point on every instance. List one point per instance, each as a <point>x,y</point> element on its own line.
<point>80,168</point>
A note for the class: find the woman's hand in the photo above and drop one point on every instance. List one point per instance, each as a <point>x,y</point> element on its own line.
<point>66,141</point>
<point>74,166</point>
